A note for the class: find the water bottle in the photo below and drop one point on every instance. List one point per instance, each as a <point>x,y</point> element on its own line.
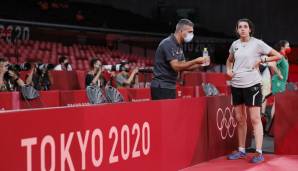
<point>206,54</point>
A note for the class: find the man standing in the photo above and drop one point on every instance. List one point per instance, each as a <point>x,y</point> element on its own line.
<point>169,60</point>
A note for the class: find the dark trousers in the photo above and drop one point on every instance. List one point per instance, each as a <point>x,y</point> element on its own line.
<point>162,93</point>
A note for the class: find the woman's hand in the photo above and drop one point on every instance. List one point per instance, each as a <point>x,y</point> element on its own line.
<point>230,73</point>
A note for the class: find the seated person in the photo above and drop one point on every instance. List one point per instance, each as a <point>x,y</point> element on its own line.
<point>63,65</point>
<point>9,79</point>
<point>95,76</point>
<point>124,79</point>
<point>39,76</point>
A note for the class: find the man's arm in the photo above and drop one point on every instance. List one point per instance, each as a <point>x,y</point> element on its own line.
<point>17,79</point>
<point>187,65</point>
<point>131,77</point>
<point>196,66</point>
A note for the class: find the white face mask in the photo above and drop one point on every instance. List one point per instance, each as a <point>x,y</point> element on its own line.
<point>188,38</point>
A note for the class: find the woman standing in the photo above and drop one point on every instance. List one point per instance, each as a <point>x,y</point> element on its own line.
<point>280,77</point>
<point>281,72</point>
<point>246,54</point>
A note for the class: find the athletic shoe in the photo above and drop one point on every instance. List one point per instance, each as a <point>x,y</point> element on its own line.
<point>236,155</point>
<point>258,158</point>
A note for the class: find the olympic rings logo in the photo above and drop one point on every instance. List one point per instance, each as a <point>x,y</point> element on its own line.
<point>226,123</point>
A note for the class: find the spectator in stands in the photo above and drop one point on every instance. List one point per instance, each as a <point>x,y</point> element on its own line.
<point>79,16</point>
<point>9,80</point>
<point>170,60</point>
<point>44,5</point>
<point>39,76</point>
<point>63,64</point>
<point>95,75</point>
<point>124,79</point>
<point>246,54</point>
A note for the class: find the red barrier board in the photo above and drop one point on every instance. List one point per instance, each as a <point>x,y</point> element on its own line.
<point>9,100</point>
<point>139,94</point>
<point>106,137</point>
<point>185,92</point>
<point>73,97</point>
<point>46,99</point>
<point>81,75</point>
<point>124,93</point>
<point>184,133</point>
<point>155,135</point>
<point>286,123</point>
<point>222,127</point>
<point>65,80</point>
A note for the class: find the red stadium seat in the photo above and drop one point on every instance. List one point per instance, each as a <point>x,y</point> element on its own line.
<point>217,79</point>
<point>193,78</point>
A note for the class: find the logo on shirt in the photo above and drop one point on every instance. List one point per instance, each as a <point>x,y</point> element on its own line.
<point>178,53</point>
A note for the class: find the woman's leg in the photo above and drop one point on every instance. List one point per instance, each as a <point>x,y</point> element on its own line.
<point>241,117</point>
<point>264,104</point>
<point>255,117</point>
<point>273,109</point>
<point>242,129</point>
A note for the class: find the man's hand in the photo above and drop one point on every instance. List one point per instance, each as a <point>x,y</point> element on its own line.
<point>12,74</point>
<point>201,60</point>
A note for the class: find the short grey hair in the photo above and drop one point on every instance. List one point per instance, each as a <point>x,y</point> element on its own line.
<point>183,22</point>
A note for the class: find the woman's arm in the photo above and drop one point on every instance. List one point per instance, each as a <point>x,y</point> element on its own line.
<point>96,78</point>
<point>229,65</point>
<point>29,78</point>
<point>273,66</point>
<point>272,56</point>
<point>132,75</point>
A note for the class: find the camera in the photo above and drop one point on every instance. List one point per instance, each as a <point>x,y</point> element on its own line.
<point>118,67</point>
<point>18,68</point>
<point>146,70</point>
<point>45,67</point>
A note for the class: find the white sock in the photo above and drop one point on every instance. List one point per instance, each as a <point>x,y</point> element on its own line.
<point>241,149</point>
<point>259,151</point>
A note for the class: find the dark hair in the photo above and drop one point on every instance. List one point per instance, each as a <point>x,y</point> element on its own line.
<point>3,59</point>
<point>280,44</point>
<point>183,22</point>
<point>250,24</point>
<point>92,62</point>
<point>62,59</point>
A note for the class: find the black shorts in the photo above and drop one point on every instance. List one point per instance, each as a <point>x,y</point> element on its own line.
<point>162,93</point>
<point>250,96</point>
